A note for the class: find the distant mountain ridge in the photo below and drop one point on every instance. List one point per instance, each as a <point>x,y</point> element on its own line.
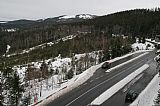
<point>55,20</point>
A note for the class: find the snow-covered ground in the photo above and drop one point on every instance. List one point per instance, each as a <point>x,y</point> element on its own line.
<point>67,16</point>
<point>10,30</point>
<point>71,84</point>
<point>7,50</point>
<point>59,64</point>
<point>115,88</point>
<point>153,41</point>
<point>149,94</point>
<point>141,46</point>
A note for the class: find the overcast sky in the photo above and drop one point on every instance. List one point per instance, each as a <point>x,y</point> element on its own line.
<point>36,9</point>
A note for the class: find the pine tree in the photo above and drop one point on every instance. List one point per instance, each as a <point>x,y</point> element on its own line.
<point>17,89</point>
<point>140,40</point>
<point>11,87</point>
<point>70,74</point>
<point>143,40</point>
<point>45,72</point>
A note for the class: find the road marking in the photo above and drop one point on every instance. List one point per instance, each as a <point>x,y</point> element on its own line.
<point>97,78</point>
<point>101,76</point>
<point>102,83</point>
<point>85,84</point>
<point>149,61</point>
<point>91,81</point>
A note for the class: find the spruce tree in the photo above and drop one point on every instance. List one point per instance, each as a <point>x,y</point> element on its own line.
<point>143,40</point>
<point>16,89</point>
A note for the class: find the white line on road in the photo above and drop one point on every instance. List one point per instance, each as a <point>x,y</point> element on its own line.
<point>97,78</point>
<point>91,81</point>
<point>85,84</point>
<point>101,76</point>
<point>103,83</point>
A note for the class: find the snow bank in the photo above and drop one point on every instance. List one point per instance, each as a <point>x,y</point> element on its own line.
<point>115,88</point>
<point>148,95</point>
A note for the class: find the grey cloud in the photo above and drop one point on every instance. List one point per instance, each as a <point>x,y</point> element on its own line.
<point>34,9</point>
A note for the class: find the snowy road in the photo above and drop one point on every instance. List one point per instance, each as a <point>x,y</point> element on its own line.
<point>98,83</point>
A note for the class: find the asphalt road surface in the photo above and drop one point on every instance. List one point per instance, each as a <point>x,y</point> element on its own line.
<point>100,82</point>
<point>138,86</point>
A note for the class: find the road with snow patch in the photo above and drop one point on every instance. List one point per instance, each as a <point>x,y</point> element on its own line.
<point>100,82</point>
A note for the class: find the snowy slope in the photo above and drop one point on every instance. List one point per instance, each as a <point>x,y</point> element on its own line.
<point>80,16</point>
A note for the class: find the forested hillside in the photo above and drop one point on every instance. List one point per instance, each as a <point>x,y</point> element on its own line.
<point>139,22</point>
<point>142,22</point>
<point>91,34</point>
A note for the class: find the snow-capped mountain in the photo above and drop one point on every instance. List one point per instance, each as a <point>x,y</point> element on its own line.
<point>2,22</point>
<point>54,20</point>
<point>80,16</point>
